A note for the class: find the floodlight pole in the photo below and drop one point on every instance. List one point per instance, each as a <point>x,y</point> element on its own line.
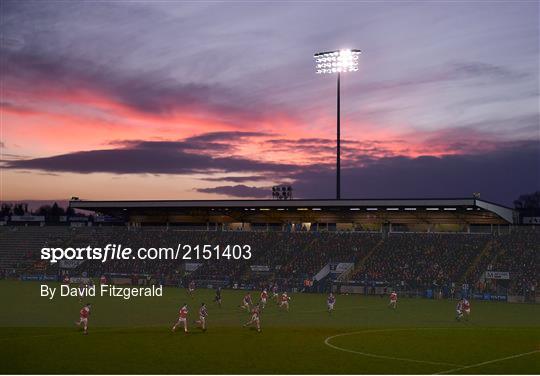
<point>337,62</point>
<point>338,154</point>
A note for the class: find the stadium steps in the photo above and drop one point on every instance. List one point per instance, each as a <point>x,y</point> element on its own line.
<point>360,264</point>
<point>501,252</point>
<point>481,259</point>
<point>497,251</point>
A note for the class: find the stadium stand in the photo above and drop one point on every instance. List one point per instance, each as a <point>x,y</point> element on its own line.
<point>407,261</point>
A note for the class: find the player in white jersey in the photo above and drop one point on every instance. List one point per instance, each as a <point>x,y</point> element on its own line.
<point>264,298</point>
<point>330,301</point>
<point>246,302</point>
<point>203,314</point>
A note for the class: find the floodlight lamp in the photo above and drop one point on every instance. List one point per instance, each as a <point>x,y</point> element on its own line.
<point>336,61</point>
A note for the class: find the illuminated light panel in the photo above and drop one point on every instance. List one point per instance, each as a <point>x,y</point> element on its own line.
<point>337,61</point>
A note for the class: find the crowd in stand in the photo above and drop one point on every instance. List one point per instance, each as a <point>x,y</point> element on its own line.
<point>517,253</point>
<point>420,260</point>
<point>404,260</point>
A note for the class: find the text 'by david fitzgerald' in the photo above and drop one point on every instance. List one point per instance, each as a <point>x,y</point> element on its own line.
<point>102,290</point>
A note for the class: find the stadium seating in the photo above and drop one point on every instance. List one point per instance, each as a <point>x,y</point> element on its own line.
<point>404,260</point>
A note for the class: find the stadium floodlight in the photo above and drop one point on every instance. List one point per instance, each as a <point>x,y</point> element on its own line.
<point>341,61</point>
<point>337,61</point>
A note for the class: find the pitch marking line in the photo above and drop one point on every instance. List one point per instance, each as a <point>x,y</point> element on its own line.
<point>487,362</point>
<point>327,342</point>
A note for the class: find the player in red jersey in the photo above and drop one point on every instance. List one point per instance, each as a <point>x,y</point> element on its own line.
<point>182,318</point>
<point>203,314</point>
<point>463,307</point>
<point>393,300</point>
<point>246,302</point>
<point>284,301</point>
<point>103,280</point>
<point>264,297</point>
<point>83,317</point>
<point>66,280</point>
<point>255,318</point>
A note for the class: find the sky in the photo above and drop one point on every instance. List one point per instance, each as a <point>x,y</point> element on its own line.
<point>214,99</point>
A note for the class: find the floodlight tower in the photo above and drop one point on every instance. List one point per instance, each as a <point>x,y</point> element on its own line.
<point>337,62</point>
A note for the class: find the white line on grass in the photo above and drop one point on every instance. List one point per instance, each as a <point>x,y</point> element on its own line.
<point>487,362</point>
<point>327,342</point>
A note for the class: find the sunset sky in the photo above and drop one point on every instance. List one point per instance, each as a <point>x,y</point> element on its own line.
<point>206,100</point>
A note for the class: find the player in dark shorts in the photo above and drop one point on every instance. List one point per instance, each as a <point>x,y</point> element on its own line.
<point>191,288</point>
<point>217,298</point>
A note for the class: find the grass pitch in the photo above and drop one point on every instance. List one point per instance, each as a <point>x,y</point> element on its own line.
<point>37,335</point>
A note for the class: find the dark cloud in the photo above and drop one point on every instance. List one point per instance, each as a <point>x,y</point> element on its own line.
<point>319,150</point>
<point>499,175</point>
<point>300,141</point>
<point>201,147</point>
<point>212,143</point>
<point>219,144</point>
<point>239,191</point>
<point>225,136</point>
<point>156,157</point>
<point>482,135</point>
<point>215,143</point>
<point>240,179</point>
